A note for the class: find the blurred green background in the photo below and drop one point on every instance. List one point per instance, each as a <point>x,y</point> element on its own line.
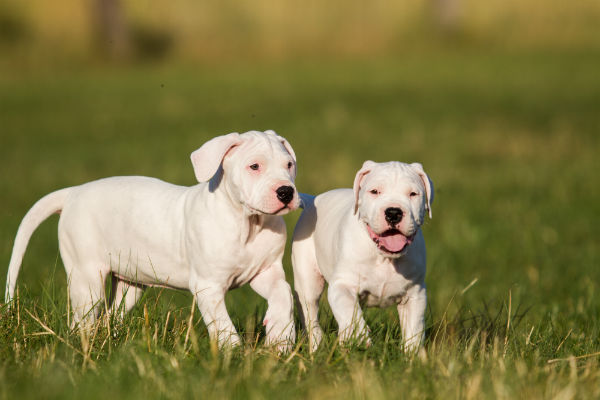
<point>73,32</point>
<point>499,100</point>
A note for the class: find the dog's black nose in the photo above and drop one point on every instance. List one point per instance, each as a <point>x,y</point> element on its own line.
<point>393,215</point>
<point>285,194</point>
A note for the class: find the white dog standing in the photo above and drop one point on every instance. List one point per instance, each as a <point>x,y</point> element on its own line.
<point>366,243</point>
<point>208,238</point>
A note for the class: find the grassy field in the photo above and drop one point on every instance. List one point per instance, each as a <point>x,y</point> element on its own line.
<point>511,141</point>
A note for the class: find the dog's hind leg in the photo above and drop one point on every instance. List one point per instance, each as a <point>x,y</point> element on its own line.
<point>85,282</point>
<point>86,292</point>
<point>308,287</point>
<point>123,296</point>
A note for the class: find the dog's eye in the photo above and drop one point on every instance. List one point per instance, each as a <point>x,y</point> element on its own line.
<point>254,167</point>
<point>290,164</point>
<point>374,191</point>
<point>413,194</point>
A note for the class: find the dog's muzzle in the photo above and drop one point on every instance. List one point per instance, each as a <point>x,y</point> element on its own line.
<point>391,241</point>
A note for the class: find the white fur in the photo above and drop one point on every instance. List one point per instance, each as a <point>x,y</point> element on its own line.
<point>207,238</point>
<point>331,243</point>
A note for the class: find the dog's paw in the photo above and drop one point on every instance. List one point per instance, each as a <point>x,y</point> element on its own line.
<point>281,346</point>
<point>228,339</point>
<point>315,335</point>
<point>281,335</point>
<point>355,335</point>
<point>413,344</point>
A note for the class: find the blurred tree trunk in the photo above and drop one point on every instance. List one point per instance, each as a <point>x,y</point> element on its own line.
<point>111,31</point>
<point>447,14</point>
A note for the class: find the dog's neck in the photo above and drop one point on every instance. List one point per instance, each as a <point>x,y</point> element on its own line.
<point>251,226</point>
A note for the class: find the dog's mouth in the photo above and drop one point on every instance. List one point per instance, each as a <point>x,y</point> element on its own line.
<point>391,241</point>
<point>281,211</point>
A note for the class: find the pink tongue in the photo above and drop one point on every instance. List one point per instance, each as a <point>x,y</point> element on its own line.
<point>393,243</point>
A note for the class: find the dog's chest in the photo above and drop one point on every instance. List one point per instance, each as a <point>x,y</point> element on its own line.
<point>250,265</point>
<point>253,258</point>
<point>382,286</point>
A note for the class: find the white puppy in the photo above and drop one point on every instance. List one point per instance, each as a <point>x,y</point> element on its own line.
<point>217,235</point>
<point>366,243</point>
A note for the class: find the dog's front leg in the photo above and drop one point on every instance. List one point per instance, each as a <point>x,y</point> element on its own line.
<point>412,317</point>
<point>343,301</point>
<point>279,319</point>
<point>210,297</point>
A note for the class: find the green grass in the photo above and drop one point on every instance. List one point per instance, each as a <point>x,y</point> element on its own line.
<point>509,139</point>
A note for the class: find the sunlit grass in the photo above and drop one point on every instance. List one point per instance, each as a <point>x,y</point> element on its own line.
<point>156,352</point>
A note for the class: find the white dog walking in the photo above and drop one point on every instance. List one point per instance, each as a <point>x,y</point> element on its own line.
<point>209,238</point>
<point>366,243</point>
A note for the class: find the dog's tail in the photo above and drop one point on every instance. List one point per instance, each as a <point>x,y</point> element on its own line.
<point>306,200</point>
<point>45,207</point>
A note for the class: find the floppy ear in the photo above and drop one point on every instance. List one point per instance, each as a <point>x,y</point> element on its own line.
<point>427,183</point>
<point>283,141</point>
<point>207,159</point>
<point>365,169</point>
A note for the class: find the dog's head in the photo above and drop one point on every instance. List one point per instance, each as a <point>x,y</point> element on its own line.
<point>391,200</point>
<point>257,168</point>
